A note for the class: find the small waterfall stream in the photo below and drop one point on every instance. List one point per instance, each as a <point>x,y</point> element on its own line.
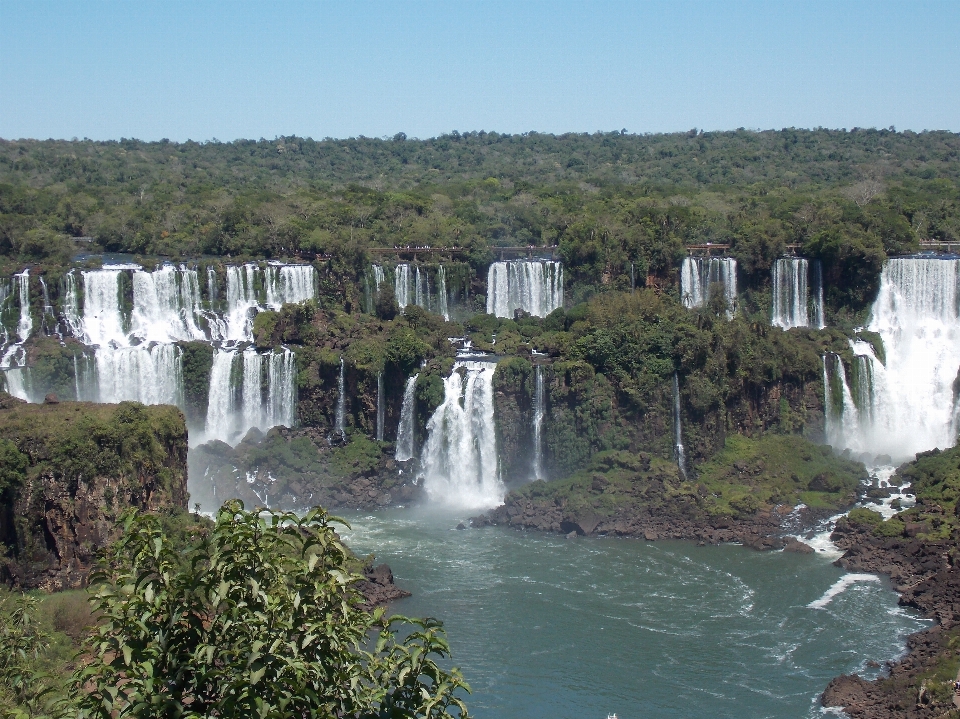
<point>534,286</point>
<point>539,409</point>
<point>790,293</point>
<point>681,456</point>
<point>340,428</point>
<point>459,461</point>
<point>406,448</point>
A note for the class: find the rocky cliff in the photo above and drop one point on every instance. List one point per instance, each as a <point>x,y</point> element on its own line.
<point>67,471</point>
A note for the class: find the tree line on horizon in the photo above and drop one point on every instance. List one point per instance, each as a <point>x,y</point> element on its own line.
<point>611,202</point>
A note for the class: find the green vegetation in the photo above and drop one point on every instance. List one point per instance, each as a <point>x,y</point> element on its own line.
<point>746,476</point>
<point>608,201</point>
<point>935,480</point>
<point>257,616</point>
<point>777,469</point>
<point>79,441</point>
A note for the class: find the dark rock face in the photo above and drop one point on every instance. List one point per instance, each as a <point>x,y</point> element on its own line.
<point>83,465</point>
<point>378,588</point>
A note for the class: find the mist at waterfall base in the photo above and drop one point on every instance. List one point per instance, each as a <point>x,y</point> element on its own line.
<point>548,627</point>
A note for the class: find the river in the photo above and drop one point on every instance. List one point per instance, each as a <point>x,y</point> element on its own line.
<point>545,627</point>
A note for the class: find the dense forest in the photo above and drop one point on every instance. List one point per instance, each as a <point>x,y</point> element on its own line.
<point>606,201</point>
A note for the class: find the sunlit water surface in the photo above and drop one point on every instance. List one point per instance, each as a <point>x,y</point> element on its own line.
<point>545,627</point>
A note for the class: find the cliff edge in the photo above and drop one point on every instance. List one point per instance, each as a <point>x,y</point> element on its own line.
<point>68,470</point>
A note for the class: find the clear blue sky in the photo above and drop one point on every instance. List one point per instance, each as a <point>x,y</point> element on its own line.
<point>203,70</point>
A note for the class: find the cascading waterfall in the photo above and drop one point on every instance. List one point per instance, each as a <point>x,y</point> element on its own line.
<point>790,293</point>
<point>459,461</point>
<point>15,355</point>
<point>380,407</point>
<point>443,307</point>
<point>242,303</point>
<point>265,396</point>
<point>681,456</point>
<point>903,402</point>
<point>401,285</point>
<point>698,274</point>
<point>421,294</point>
<point>151,375</point>
<point>534,286</point>
<point>371,293</point>
<point>341,429</point>
<point>539,409</point>
<point>289,284</point>
<point>817,318</point>
<point>25,325</point>
<point>134,352</point>
<point>405,431</point>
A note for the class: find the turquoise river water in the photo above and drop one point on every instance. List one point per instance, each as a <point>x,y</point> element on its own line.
<point>545,627</point>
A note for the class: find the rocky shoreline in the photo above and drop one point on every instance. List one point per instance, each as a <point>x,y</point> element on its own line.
<point>762,531</point>
<point>925,573</point>
<point>927,577</point>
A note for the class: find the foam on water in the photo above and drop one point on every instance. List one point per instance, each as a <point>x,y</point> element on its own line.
<point>840,586</point>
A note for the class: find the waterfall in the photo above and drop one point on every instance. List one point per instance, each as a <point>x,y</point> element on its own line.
<point>16,380</point>
<point>699,274</point>
<point>71,306</point>
<point>212,293</point>
<point>289,284</point>
<point>25,325</point>
<point>539,408</point>
<point>401,285</point>
<point>816,311</point>
<point>442,309</point>
<point>220,401</point>
<point>681,456</point>
<point>459,462</point>
<point>147,374</point>
<point>405,431</point>
<point>340,428</point>
<point>134,352</point>
<point>534,286</point>
<point>49,313</point>
<point>790,293</point>
<point>166,303</point>
<point>420,299</point>
<point>633,279</point>
<point>235,408</point>
<point>241,303</point>
<point>906,402</point>
<point>281,389</point>
<point>102,312</point>
<point>380,408</point>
